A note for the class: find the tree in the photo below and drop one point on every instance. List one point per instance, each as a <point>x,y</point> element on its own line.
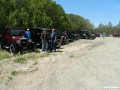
<point>19,18</point>
<point>3,18</point>
<point>39,13</point>
<point>79,23</point>
<point>6,7</point>
<point>107,28</point>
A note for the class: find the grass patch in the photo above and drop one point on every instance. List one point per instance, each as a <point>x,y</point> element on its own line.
<point>14,73</point>
<point>44,54</point>
<point>10,78</point>
<point>35,63</point>
<point>71,56</point>
<point>20,60</point>
<point>31,56</point>
<point>4,54</point>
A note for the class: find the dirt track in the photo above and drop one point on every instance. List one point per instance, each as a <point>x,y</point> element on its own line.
<point>82,65</point>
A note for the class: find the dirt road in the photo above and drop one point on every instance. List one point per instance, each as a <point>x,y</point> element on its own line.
<point>82,65</point>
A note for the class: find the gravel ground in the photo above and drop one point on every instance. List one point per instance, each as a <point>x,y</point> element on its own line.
<point>81,65</point>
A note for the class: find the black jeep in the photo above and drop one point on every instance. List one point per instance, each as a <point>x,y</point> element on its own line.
<point>87,34</point>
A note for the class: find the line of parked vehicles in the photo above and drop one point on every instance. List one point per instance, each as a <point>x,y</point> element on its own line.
<point>13,40</point>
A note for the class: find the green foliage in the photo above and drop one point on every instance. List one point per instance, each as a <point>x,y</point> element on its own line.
<point>78,23</point>
<point>107,28</point>
<point>32,13</point>
<point>19,18</point>
<point>39,13</point>
<point>3,18</point>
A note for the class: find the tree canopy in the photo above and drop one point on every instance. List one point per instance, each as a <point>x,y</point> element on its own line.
<point>107,28</point>
<point>39,13</point>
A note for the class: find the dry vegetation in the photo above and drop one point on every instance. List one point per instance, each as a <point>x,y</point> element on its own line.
<point>13,65</point>
<point>4,55</point>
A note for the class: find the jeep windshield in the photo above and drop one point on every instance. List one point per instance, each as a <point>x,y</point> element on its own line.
<point>84,31</point>
<point>17,31</point>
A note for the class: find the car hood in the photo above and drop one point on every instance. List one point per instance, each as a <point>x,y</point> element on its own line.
<point>15,38</point>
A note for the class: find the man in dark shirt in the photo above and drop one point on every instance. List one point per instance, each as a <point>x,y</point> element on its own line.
<point>44,43</point>
<point>53,39</point>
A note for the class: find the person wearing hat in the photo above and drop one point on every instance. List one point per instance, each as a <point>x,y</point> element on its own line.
<point>53,39</point>
<point>28,35</point>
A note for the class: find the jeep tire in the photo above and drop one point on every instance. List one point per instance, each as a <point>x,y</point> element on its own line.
<point>13,49</point>
<point>32,46</point>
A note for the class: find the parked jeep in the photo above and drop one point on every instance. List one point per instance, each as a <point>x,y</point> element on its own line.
<point>14,40</point>
<point>116,34</point>
<point>86,34</point>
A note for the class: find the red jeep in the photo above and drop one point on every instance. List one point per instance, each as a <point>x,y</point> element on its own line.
<point>14,40</point>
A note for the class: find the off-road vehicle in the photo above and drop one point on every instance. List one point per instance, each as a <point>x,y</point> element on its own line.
<point>14,40</point>
<point>86,34</point>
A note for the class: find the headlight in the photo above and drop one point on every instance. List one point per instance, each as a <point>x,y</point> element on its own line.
<point>13,37</point>
<point>18,41</point>
<point>84,34</point>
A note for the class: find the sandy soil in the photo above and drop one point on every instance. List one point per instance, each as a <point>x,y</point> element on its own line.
<point>82,65</point>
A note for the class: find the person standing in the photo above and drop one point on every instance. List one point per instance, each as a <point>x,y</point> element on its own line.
<point>65,34</point>
<point>28,35</point>
<point>62,38</point>
<point>100,35</point>
<point>44,43</point>
<point>103,35</point>
<point>53,39</point>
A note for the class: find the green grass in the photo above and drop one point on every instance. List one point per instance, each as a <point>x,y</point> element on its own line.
<point>10,78</point>
<point>4,55</point>
<point>23,58</point>
<point>14,73</point>
<point>44,54</point>
<point>20,60</point>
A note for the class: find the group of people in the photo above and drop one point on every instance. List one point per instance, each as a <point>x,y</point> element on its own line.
<point>103,35</point>
<point>49,40</point>
<point>44,38</point>
<point>49,44</point>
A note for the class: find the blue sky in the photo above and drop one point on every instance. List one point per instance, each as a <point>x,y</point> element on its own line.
<point>96,11</point>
